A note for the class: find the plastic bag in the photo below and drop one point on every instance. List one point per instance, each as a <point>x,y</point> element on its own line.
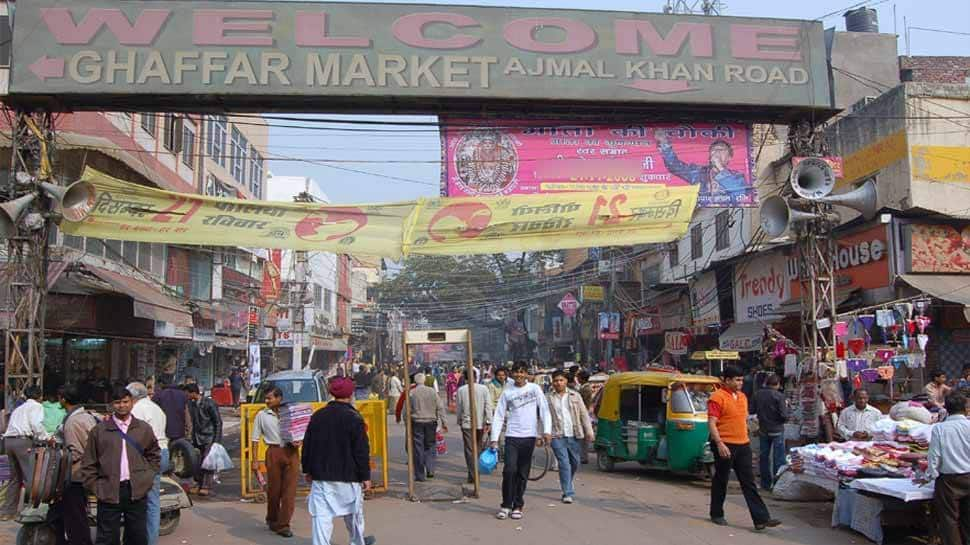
<point>217,459</point>
<point>487,461</point>
<point>440,444</point>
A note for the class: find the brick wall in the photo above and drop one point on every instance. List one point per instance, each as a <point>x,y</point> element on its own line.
<point>935,69</point>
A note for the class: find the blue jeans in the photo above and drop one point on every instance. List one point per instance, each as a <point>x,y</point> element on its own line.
<point>567,451</point>
<point>154,508</point>
<point>771,456</point>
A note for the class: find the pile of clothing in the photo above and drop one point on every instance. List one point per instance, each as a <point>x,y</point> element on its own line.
<point>857,459</point>
<point>294,419</point>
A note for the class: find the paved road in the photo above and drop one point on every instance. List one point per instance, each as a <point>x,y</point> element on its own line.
<point>628,506</point>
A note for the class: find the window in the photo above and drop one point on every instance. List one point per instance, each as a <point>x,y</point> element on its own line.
<point>172,133</point>
<point>74,242</point>
<point>256,173</point>
<point>327,304</point>
<point>145,256</point>
<point>674,254</point>
<point>216,144</point>
<point>113,248</point>
<point>317,296</point>
<point>239,155</point>
<point>148,123</point>
<point>129,250</point>
<point>200,276</point>
<point>697,241</point>
<point>188,146</point>
<point>722,230</point>
<point>158,258</point>
<point>94,246</point>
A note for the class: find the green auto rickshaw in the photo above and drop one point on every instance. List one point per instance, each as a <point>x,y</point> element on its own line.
<point>656,418</point>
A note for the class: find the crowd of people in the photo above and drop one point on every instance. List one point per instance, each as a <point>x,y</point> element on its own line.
<point>117,457</point>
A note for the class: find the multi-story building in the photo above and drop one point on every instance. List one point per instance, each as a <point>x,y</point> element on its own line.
<point>123,310</point>
<point>324,338</point>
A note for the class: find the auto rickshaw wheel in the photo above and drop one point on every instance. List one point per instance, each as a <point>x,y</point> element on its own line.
<point>168,522</point>
<point>36,534</point>
<point>604,462</point>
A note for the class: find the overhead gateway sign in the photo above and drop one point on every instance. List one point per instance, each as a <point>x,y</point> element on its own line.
<point>302,56</point>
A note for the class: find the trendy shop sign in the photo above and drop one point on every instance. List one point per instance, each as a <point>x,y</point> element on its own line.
<point>761,285</point>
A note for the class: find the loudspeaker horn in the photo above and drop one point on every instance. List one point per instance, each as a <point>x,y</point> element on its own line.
<point>10,213</point>
<point>861,199</point>
<point>777,216</point>
<point>812,178</point>
<point>75,201</point>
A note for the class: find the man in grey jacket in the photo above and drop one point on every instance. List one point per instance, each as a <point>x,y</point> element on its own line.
<point>427,411</point>
<point>483,417</point>
<point>571,429</point>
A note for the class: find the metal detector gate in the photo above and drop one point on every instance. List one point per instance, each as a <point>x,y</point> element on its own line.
<point>438,338</point>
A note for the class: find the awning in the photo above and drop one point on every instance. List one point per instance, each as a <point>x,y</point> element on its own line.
<point>148,301</point>
<point>953,288</point>
<point>743,337</point>
<point>231,343</point>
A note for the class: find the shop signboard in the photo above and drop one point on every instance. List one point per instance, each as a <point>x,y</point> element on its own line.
<point>609,326</point>
<point>591,294</point>
<point>676,343</point>
<point>284,339</point>
<point>255,366</point>
<point>168,330</point>
<point>516,157</point>
<point>861,262</point>
<point>761,285</point>
<point>407,57</point>
<point>937,248</point>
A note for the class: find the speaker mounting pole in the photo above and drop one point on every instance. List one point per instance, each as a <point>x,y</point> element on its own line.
<point>28,253</point>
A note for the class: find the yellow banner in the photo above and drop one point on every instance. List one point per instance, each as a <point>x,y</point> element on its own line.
<point>442,226</point>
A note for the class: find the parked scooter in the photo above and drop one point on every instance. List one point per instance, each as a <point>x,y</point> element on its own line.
<point>37,526</point>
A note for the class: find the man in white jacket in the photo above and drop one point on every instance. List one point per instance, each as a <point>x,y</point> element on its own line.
<point>523,408</point>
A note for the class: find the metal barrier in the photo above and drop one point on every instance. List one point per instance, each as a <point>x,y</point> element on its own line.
<point>375,420</point>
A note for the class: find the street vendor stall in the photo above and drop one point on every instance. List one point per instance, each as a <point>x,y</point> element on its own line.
<point>873,482</point>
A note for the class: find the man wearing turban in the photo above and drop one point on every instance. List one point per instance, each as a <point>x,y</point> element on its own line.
<point>336,461</point>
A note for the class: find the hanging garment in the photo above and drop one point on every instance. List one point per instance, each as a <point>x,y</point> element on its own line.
<point>791,365</point>
<point>904,309</point>
<point>884,354</point>
<point>869,375</point>
<point>857,382</point>
<point>867,321</point>
<point>922,322</point>
<point>841,329</point>
<point>899,361</point>
<point>886,372</point>
<point>841,369</point>
<point>856,364</point>
<point>857,346</point>
<point>840,350</point>
<point>916,361</point>
<point>911,327</point>
<point>884,318</point>
<point>923,340</point>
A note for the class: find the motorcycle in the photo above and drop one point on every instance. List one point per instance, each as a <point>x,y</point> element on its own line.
<point>37,523</point>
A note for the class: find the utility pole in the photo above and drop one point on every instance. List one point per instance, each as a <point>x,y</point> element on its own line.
<point>609,306</point>
<point>297,299</point>
<point>27,251</point>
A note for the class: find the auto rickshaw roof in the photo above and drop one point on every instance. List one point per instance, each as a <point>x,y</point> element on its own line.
<point>611,392</point>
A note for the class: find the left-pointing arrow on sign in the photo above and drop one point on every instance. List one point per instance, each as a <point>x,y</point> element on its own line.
<point>48,67</point>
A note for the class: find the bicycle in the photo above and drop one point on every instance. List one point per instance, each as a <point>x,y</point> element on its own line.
<point>541,462</point>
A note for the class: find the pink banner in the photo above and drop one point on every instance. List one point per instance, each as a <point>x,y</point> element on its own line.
<point>504,158</point>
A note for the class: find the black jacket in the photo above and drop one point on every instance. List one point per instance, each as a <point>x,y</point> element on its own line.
<point>173,402</point>
<point>771,410</point>
<point>206,422</point>
<point>335,447</point>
